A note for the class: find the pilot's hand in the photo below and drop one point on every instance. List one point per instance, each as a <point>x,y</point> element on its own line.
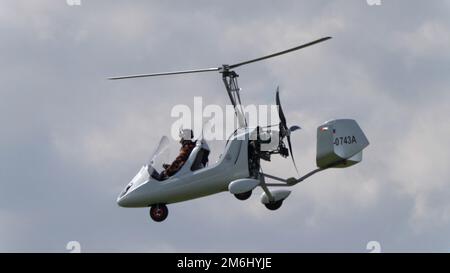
<point>165,166</point>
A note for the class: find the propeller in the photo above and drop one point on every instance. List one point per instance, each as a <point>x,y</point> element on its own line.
<point>224,67</point>
<point>285,131</point>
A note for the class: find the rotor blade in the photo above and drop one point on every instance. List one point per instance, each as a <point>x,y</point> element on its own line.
<point>280,53</point>
<point>280,110</point>
<point>165,73</point>
<point>291,152</point>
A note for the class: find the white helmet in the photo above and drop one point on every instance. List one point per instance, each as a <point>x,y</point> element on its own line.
<point>186,134</point>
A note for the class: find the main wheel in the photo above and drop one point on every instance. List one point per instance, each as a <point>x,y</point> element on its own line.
<point>274,205</point>
<point>243,196</point>
<point>159,212</point>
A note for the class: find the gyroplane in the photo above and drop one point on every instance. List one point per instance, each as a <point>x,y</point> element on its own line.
<point>340,143</point>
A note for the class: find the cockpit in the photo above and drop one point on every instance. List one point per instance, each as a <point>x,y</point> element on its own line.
<point>197,159</point>
<point>165,153</point>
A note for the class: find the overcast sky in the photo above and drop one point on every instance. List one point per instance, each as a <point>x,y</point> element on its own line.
<point>70,140</point>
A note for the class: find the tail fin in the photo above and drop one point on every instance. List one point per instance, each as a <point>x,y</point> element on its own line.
<point>340,144</point>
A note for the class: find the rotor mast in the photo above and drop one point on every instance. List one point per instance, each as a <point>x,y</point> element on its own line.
<point>229,78</point>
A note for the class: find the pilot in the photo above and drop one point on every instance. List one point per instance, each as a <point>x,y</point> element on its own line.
<point>187,145</point>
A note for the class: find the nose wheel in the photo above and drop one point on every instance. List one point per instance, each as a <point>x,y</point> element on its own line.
<point>159,212</point>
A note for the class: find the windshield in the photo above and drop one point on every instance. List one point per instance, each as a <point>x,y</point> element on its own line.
<point>165,153</point>
<point>159,156</point>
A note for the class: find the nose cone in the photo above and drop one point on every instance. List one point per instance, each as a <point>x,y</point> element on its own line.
<point>125,199</point>
<point>121,201</point>
<point>130,199</point>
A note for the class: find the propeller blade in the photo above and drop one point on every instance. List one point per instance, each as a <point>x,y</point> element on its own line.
<point>280,53</point>
<point>284,130</point>
<point>280,110</point>
<point>165,73</point>
<point>291,152</point>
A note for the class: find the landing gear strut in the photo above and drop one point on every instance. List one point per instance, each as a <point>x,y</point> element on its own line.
<point>159,212</point>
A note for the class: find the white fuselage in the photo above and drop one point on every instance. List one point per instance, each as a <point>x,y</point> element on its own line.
<point>187,184</point>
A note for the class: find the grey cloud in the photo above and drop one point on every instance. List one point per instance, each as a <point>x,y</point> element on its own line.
<point>71,140</point>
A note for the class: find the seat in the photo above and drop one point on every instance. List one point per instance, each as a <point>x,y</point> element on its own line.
<point>201,159</point>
